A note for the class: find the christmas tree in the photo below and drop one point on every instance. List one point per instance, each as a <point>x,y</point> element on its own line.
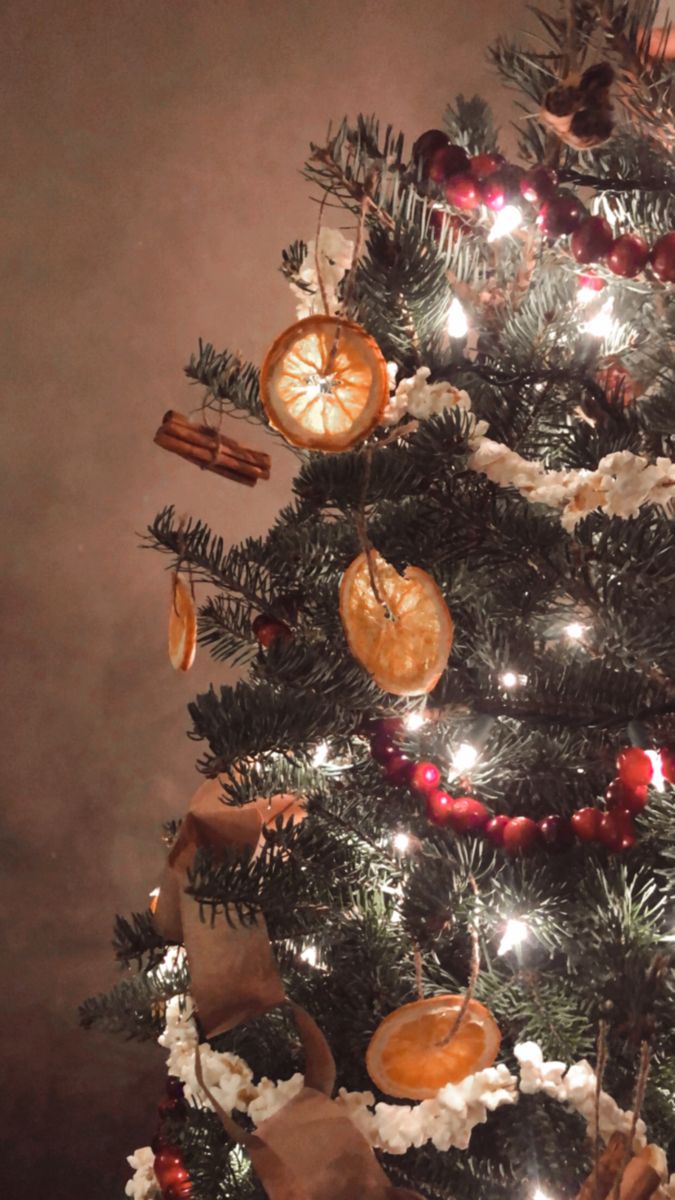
<point>414,936</point>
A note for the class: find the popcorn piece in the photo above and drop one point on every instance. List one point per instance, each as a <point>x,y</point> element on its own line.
<point>336,253</point>
<point>143,1185</point>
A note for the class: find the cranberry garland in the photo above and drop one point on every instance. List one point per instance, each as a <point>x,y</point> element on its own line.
<point>613,828</point>
<point>488,179</point>
<point>169,1167</point>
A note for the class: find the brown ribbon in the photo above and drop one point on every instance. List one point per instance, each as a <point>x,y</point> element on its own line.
<point>310,1149</point>
<point>234,976</point>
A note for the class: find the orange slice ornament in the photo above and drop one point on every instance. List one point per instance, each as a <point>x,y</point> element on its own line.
<point>182,626</point>
<point>411,1054</point>
<point>324,384</point>
<point>402,632</point>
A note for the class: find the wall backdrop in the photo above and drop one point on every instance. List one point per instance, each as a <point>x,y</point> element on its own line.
<point>150,180</point>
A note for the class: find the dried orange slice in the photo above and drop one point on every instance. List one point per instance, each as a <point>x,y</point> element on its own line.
<point>182,626</point>
<point>324,384</point>
<point>407,1058</point>
<point>404,638</point>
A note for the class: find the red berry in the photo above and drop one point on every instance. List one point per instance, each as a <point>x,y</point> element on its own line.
<point>462,191</point>
<point>494,830</point>
<point>586,824</point>
<point>169,1168</point>
<point>634,767</point>
<point>482,165</point>
<point>467,815</point>
<point>174,1087</point>
<point>449,161</point>
<point>668,765</point>
<point>591,241</point>
<point>387,727</point>
<point>438,806</point>
<point>268,630</point>
<point>178,1190</point>
<point>493,191</point>
<point>424,777</point>
<point>521,835</point>
<point>617,831</point>
<point>556,833</point>
<point>428,144</point>
<point>397,769</point>
<point>589,279</point>
<point>561,214</point>
<point>382,749</point>
<point>627,255</point>
<point>538,184</point>
<point>620,796</point>
<point>167,1107</point>
<point>662,258</point>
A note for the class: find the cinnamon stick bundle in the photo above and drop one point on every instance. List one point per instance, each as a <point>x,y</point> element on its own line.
<point>210,450</point>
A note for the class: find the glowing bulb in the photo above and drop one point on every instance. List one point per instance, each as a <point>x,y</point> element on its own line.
<point>575,631</point>
<point>154,900</point>
<point>396,917</point>
<point>458,325</point>
<point>658,779</point>
<point>320,755</point>
<point>510,680</point>
<point>414,721</point>
<point>603,323</point>
<point>515,934</point>
<point>586,294</point>
<point>401,842</point>
<point>506,221</point>
<point>464,757</point>
<point>539,1194</point>
<point>310,955</point>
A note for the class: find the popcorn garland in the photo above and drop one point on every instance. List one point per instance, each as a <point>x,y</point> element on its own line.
<point>446,1121</point>
<point>622,483</point>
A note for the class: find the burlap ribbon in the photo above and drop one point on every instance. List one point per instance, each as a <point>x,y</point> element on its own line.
<point>233,973</point>
<point>310,1149</point>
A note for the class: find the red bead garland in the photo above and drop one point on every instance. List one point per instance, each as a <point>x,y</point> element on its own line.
<point>625,797</point>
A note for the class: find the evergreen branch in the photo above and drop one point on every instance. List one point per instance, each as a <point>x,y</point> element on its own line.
<point>232,386</point>
<point>136,1007</point>
<point>135,938</point>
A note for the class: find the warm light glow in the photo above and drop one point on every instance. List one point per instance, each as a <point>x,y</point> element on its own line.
<point>510,680</point>
<point>154,899</point>
<point>603,323</point>
<point>320,755</point>
<point>464,757</point>
<point>310,955</point>
<point>658,779</point>
<point>401,842</point>
<point>458,325</point>
<point>586,294</point>
<point>539,1194</point>
<point>575,631</point>
<point>414,721</point>
<point>515,933</point>
<point>506,221</point>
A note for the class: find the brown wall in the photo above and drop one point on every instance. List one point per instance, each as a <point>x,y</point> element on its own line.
<point>150,179</point>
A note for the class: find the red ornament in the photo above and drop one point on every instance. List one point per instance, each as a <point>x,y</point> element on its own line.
<point>556,833</point>
<point>617,831</point>
<point>467,815</point>
<point>448,161</point>
<point>538,185</point>
<point>627,255</point>
<point>387,727</point>
<point>438,806</point>
<point>382,749</point>
<point>521,835</point>
<point>493,191</point>
<point>662,258</point>
<point>586,824</point>
<point>494,830</point>
<point>169,1167</point>
<point>178,1190</point>
<point>668,765</point>
<point>634,767</point>
<point>428,144</point>
<point>482,165</point>
<point>620,796</point>
<point>398,768</point>
<point>562,214</point>
<point>462,191</point>
<point>591,241</point>
<point>424,777</point>
<point>269,630</point>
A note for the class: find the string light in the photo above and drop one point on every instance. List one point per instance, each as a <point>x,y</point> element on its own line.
<point>414,721</point>
<point>602,324</point>
<point>510,680</point>
<point>464,757</point>
<point>508,219</point>
<point>457,325</point>
<point>575,631</point>
<point>310,955</point>
<point>320,755</point>
<point>658,779</point>
<point>540,1194</point>
<point>515,933</point>
<point>586,294</point>
<point>401,842</point>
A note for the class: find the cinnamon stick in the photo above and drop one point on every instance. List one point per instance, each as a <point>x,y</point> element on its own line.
<point>231,468</point>
<point>211,450</point>
<point>601,1179</point>
<point>204,435</point>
